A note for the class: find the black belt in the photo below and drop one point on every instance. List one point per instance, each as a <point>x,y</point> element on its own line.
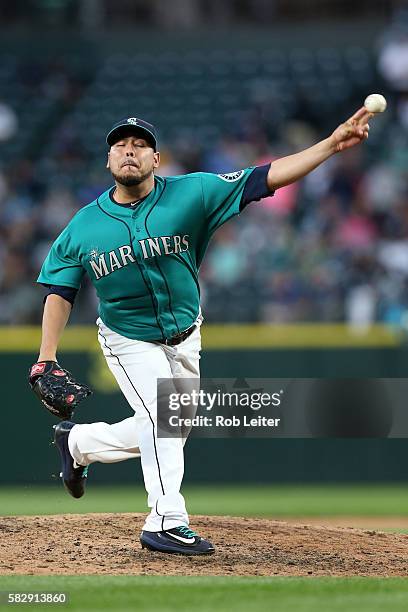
<point>174,340</point>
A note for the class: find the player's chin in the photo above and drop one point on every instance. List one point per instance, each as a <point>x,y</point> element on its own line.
<point>128,179</point>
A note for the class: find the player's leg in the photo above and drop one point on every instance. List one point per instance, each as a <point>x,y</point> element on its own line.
<point>104,442</point>
<point>184,361</point>
<point>136,366</point>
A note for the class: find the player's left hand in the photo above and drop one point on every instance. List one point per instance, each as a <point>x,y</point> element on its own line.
<point>353,131</point>
<point>56,388</point>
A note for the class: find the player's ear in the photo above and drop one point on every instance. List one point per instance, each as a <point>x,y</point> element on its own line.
<point>156,159</point>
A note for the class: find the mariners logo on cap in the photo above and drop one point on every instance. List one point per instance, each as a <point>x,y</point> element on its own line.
<point>132,120</point>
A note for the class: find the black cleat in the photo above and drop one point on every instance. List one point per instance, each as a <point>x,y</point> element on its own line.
<point>179,540</point>
<point>74,479</point>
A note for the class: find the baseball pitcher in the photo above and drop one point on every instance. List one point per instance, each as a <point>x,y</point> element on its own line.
<point>141,242</point>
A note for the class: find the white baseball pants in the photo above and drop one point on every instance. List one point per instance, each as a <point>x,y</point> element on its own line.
<point>136,366</point>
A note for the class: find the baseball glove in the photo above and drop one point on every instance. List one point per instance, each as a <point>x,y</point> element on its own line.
<point>56,388</point>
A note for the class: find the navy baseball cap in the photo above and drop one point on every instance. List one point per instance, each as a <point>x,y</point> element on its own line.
<point>144,129</point>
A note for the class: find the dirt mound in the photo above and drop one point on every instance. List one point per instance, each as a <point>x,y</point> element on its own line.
<point>109,544</point>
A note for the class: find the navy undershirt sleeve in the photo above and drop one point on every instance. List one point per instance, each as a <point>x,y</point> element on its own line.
<point>68,293</point>
<point>256,186</point>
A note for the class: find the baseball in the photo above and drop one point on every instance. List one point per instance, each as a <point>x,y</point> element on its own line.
<point>375,103</point>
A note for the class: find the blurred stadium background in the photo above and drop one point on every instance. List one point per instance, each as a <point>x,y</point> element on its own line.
<point>312,282</point>
<point>332,248</point>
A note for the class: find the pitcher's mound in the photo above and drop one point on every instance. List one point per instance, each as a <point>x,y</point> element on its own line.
<point>109,544</point>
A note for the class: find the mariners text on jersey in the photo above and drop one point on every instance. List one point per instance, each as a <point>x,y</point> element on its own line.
<point>106,263</point>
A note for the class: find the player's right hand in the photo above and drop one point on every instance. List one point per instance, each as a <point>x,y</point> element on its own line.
<point>56,388</point>
<point>353,131</point>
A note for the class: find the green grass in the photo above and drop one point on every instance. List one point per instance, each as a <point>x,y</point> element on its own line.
<point>219,594</point>
<point>269,501</point>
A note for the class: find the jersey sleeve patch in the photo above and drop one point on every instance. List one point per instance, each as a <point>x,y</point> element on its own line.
<point>231,177</point>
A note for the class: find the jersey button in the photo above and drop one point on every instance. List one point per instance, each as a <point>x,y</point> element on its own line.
<point>138,229</point>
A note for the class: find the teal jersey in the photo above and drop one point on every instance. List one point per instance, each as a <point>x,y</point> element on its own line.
<point>144,261</point>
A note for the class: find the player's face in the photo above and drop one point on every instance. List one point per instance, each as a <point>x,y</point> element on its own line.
<point>132,160</point>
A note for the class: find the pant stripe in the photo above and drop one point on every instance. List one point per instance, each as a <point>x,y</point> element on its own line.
<point>144,406</point>
<point>162,515</point>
